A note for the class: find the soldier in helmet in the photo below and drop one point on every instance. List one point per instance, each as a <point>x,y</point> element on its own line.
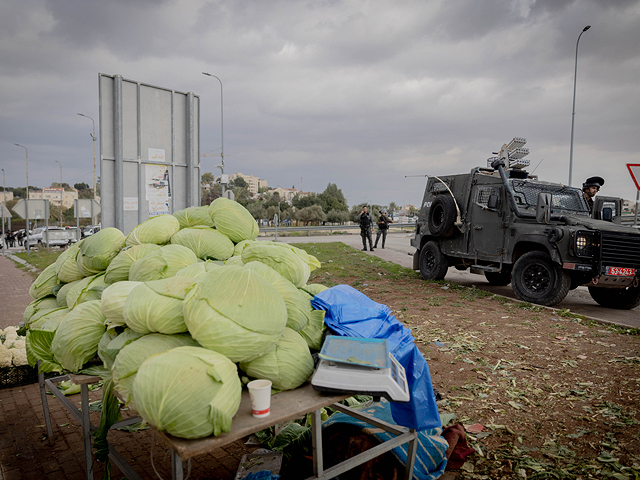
<point>590,188</point>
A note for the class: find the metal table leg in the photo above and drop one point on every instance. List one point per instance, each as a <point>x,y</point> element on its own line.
<point>316,441</point>
<point>45,405</point>
<point>177,470</point>
<point>86,430</point>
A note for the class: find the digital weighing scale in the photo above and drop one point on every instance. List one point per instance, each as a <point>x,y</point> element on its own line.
<point>360,365</point>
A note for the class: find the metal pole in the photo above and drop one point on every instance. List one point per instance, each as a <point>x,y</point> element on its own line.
<point>61,193</point>
<point>93,138</point>
<point>4,201</point>
<point>221,126</point>
<point>26,201</point>
<point>78,235</point>
<point>635,218</point>
<point>573,111</point>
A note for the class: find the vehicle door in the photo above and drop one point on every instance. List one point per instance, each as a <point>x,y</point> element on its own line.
<point>487,222</point>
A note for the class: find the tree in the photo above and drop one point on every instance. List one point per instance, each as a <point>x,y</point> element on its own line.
<point>256,211</point>
<point>301,202</point>
<point>81,186</point>
<point>313,214</point>
<point>335,216</point>
<point>209,195</point>
<point>333,199</point>
<point>207,178</point>
<point>392,209</point>
<point>239,182</point>
<point>57,185</point>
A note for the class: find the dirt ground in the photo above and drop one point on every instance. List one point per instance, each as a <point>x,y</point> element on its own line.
<point>542,394</point>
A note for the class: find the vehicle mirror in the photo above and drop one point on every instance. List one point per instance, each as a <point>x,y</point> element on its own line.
<point>493,203</point>
<point>543,209</point>
<point>607,214</point>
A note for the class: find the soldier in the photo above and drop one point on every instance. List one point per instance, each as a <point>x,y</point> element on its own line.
<point>590,188</point>
<point>365,228</point>
<point>383,226</point>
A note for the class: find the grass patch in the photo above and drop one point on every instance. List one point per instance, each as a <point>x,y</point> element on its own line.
<point>40,258</point>
<point>341,262</point>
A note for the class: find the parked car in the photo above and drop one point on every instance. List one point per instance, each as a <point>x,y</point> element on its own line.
<point>72,234</point>
<point>90,230</point>
<point>51,237</point>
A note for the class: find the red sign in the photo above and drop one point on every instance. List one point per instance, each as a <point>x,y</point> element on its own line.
<point>634,170</point>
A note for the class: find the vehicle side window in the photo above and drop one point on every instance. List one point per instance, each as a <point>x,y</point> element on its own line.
<point>484,192</point>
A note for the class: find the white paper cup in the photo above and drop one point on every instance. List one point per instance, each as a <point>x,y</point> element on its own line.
<point>260,393</point>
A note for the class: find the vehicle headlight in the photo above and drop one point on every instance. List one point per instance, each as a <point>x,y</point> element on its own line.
<point>585,244</point>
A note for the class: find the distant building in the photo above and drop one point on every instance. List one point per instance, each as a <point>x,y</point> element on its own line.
<point>254,183</point>
<point>54,195</point>
<point>6,197</point>
<point>287,194</point>
<point>628,206</point>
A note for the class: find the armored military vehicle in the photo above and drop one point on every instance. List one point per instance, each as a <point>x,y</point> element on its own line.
<point>539,236</point>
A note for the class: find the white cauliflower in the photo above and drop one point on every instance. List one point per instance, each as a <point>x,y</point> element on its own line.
<point>5,356</point>
<point>19,343</point>
<point>11,330</point>
<point>19,356</point>
<point>10,338</point>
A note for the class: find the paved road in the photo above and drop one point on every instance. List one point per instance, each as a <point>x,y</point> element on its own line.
<point>398,250</point>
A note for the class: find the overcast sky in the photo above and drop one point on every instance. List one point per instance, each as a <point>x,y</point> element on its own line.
<point>357,93</point>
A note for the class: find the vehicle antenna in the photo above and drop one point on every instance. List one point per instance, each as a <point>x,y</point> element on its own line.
<point>537,166</point>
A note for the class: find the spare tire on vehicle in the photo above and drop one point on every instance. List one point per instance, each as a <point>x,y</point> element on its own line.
<point>442,216</point>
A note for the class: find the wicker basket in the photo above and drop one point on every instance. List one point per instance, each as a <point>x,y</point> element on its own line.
<point>15,376</point>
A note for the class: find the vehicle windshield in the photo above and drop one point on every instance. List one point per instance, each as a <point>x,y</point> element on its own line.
<point>564,198</point>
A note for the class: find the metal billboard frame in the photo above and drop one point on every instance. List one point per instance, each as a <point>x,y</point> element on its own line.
<point>136,118</point>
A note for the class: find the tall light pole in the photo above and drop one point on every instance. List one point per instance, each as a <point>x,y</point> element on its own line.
<point>4,202</point>
<point>93,137</point>
<point>61,192</point>
<point>26,201</point>
<point>573,112</point>
<point>221,126</point>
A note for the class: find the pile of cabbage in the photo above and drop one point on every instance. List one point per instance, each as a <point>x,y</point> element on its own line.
<point>177,311</point>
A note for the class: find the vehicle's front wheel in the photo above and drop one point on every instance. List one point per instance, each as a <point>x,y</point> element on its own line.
<point>537,279</point>
<point>433,264</point>
<point>621,299</point>
<point>498,279</point>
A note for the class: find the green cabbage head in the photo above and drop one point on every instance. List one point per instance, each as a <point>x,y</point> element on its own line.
<point>77,337</point>
<point>207,379</point>
<point>97,251</point>
<point>133,354</point>
<point>118,269</point>
<point>113,341</point>
<point>157,306</point>
<point>113,300</point>
<point>198,269</point>
<point>67,264</point>
<point>44,303</point>
<point>205,242</point>
<point>40,336</point>
<point>232,219</point>
<point>236,312</point>
<point>162,264</point>
<point>297,303</point>
<point>158,230</point>
<point>61,296</point>
<point>85,290</point>
<point>45,283</point>
<point>283,260</point>
<point>193,216</point>
<point>288,365</point>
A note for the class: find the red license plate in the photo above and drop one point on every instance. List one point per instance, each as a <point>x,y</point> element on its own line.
<point>620,272</point>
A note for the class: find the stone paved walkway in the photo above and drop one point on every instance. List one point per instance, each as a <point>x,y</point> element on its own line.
<point>25,452</point>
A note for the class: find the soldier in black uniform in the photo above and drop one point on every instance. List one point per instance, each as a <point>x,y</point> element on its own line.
<point>383,226</point>
<point>590,188</point>
<point>365,228</point>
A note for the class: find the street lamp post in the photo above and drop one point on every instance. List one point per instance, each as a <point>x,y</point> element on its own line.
<point>61,192</point>
<point>93,137</point>
<point>26,200</point>
<point>221,126</point>
<point>4,201</point>
<point>573,112</point>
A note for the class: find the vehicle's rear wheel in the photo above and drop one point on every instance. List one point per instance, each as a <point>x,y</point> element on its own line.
<point>442,216</point>
<point>621,299</point>
<point>499,279</point>
<point>536,279</point>
<point>433,264</point>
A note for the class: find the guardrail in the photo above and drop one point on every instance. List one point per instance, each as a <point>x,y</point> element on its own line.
<point>329,229</point>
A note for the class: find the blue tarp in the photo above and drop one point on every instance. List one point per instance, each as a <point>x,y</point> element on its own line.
<point>351,313</point>
<point>431,452</point>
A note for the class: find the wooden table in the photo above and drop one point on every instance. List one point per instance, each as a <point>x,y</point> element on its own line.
<point>285,406</point>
